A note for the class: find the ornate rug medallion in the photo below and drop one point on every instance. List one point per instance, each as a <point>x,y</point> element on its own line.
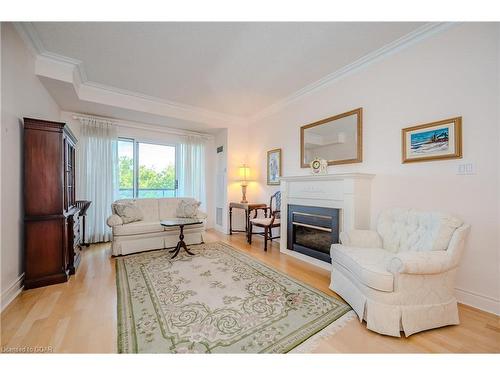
<point>218,301</point>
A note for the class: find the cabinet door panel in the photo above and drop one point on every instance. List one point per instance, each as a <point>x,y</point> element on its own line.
<point>44,248</point>
<point>42,173</point>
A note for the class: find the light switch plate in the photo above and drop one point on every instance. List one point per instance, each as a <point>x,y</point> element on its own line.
<point>466,169</point>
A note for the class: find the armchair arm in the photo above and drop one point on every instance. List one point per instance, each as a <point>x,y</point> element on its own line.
<point>361,238</point>
<point>421,262</point>
<point>201,215</point>
<point>114,220</point>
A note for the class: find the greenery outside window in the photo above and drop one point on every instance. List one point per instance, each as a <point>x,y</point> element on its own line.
<point>146,170</point>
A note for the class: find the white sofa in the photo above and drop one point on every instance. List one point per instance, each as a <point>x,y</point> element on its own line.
<point>148,234</point>
<point>401,277</point>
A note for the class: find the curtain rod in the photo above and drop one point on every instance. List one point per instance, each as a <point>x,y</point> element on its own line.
<point>143,126</point>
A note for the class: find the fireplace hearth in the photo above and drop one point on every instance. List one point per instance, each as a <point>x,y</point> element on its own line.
<point>311,230</point>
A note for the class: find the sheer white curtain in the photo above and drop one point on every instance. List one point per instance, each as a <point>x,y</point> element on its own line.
<point>192,169</point>
<point>98,174</point>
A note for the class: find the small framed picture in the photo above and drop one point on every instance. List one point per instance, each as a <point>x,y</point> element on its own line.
<point>274,166</point>
<point>433,141</point>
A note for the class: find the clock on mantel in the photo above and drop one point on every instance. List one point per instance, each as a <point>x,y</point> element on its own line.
<point>319,166</point>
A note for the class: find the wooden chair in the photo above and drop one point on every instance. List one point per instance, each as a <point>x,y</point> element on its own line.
<point>268,223</point>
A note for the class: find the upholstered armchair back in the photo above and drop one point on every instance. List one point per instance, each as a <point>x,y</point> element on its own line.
<point>412,230</point>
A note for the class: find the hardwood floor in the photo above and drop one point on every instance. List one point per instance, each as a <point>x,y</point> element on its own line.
<point>80,316</point>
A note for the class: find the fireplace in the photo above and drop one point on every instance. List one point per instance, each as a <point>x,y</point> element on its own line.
<point>311,230</point>
<point>336,202</point>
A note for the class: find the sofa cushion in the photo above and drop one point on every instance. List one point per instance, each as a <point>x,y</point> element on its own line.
<point>167,207</point>
<point>187,208</point>
<point>137,227</point>
<point>128,212</point>
<point>368,265</point>
<point>148,206</point>
<point>412,230</point>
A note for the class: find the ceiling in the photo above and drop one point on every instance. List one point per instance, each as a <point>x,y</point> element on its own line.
<point>236,69</point>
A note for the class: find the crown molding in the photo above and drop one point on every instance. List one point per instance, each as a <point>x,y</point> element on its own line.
<point>62,68</point>
<point>179,108</point>
<point>70,70</point>
<point>397,45</point>
<point>30,37</point>
<point>141,126</point>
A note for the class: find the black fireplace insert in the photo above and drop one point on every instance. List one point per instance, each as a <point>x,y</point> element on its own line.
<point>312,230</point>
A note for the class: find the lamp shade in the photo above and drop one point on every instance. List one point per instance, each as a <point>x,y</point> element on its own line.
<point>244,172</point>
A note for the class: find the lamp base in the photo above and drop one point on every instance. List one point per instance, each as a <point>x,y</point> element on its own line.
<point>243,194</point>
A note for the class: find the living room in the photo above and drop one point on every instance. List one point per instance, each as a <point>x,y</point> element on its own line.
<point>250,187</point>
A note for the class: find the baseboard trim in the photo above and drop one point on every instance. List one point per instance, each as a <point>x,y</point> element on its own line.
<point>479,301</point>
<point>12,292</point>
<point>308,259</point>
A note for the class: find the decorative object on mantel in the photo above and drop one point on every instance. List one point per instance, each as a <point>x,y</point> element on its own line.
<point>244,175</point>
<point>274,166</point>
<point>319,166</point>
<point>219,300</point>
<point>337,139</point>
<point>433,141</point>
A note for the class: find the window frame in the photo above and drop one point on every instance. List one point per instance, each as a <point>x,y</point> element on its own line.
<point>135,155</point>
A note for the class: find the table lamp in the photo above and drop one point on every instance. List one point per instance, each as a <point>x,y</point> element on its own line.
<point>244,174</point>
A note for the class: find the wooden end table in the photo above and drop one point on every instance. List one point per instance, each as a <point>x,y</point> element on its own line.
<point>248,208</point>
<point>180,222</point>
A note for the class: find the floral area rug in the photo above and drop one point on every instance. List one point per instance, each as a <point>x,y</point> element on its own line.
<point>218,301</point>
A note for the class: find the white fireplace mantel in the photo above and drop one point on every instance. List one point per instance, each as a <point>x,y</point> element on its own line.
<point>349,192</point>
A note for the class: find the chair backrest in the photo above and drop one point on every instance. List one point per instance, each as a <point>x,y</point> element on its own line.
<point>276,199</point>
<point>412,230</point>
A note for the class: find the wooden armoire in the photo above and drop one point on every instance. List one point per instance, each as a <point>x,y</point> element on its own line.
<point>51,224</point>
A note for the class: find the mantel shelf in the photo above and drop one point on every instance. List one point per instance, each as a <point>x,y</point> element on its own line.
<point>334,176</point>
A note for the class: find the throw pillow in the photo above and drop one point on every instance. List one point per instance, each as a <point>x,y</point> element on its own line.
<point>129,212</point>
<point>188,208</point>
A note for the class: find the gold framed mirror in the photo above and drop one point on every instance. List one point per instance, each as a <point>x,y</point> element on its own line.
<point>337,139</point>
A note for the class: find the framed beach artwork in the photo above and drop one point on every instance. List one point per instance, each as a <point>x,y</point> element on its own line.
<point>433,141</point>
<point>274,166</point>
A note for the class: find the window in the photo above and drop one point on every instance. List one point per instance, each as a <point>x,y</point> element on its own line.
<point>146,170</point>
<point>126,168</point>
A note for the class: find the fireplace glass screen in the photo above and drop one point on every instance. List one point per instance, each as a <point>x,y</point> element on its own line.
<point>312,230</point>
<point>312,238</point>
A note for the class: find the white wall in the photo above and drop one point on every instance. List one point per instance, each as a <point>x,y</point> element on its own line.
<point>220,188</point>
<point>22,96</point>
<point>153,136</point>
<point>453,73</point>
<point>237,154</point>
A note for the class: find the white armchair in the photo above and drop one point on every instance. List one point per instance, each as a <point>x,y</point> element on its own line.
<point>401,277</point>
